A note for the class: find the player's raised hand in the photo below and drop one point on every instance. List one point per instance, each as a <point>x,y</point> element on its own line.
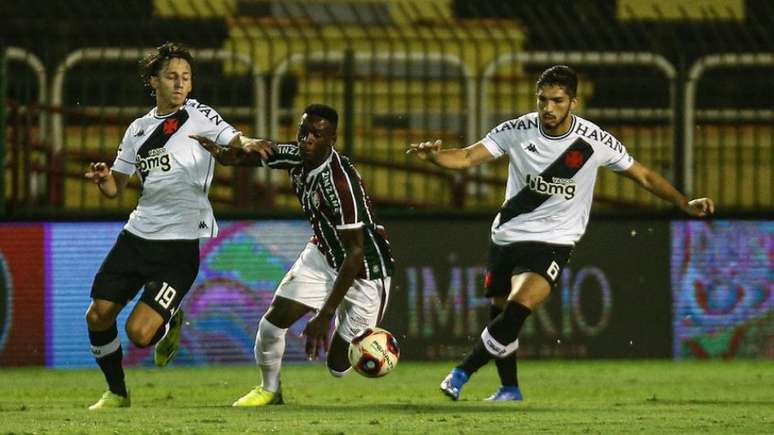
<point>97,172</point>
<point>316,332</point>
<point>700,207</point>
<point>425,150</point>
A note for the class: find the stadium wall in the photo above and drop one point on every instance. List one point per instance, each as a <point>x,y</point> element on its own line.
<point>635,288</point>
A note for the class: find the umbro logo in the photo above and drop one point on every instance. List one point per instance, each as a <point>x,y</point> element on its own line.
<point>531,148</point>
<point>202,225</point>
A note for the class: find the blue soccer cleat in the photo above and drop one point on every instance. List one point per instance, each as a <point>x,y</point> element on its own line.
<point>510,392</point>
<point>452,384</point>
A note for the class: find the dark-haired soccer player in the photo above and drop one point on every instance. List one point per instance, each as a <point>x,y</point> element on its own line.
<point>554,156</point>
<point>344,271</point>
<point>158,248</point>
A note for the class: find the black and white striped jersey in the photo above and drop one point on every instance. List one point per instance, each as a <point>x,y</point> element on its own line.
<point>175,171</point>
<point>550,178</point>
<point>334,198</point>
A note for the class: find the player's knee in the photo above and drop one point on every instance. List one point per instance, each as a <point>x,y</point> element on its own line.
<point>99,320</point>
<point>140,335</point>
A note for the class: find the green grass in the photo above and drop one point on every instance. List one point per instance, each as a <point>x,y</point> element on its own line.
<point>561,397</point>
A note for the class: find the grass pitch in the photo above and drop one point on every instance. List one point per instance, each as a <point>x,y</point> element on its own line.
<point>560,397</point>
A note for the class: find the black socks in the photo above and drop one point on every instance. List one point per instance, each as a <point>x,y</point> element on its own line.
<point>504,329</point>
<point>106,348</point>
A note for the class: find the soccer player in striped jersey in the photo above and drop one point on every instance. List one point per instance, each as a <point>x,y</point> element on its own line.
<point>344,271</point>
<point>158,248</point>
<point>554,156</point>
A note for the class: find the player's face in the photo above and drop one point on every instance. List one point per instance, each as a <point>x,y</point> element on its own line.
<point>316,136</point>
<point>172,85</point>
<point>554,106</point>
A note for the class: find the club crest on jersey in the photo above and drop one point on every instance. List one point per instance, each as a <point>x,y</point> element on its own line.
<point>557,186</point>
<point>315,199</point>
<point>573,159</point>
<point>170,126</point>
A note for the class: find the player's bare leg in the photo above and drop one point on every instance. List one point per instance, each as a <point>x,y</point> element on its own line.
<point>145,326</point>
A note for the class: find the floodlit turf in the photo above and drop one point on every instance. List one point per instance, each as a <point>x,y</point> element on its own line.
<point>560,397</point>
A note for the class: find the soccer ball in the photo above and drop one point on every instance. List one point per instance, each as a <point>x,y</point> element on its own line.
<point>374,352</point>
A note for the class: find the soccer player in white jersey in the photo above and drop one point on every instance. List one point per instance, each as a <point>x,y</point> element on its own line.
<point>158,249</point>
<point>554,156</point>
<point>344,271</point>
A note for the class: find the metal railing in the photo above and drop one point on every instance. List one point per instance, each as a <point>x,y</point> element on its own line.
<point>751,161</point>
<point>401,72</point>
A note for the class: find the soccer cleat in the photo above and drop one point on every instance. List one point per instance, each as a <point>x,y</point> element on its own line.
<point>510,392</point>
<point>167,347</point>
<point>110,400</point>
<point>259,397</point>
<point>452,384</point>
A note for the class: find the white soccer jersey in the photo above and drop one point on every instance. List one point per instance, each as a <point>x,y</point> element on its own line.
<point>175,171</point>
<point>550,178</point>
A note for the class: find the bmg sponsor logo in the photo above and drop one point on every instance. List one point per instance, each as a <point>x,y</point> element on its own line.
<point>557,186</point>
<point>157,158</point>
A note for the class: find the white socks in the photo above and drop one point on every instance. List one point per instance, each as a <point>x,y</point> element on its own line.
<point>269,348</point>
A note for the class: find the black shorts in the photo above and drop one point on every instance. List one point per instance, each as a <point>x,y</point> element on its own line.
<point>166,268</point>
<point>545,259</point>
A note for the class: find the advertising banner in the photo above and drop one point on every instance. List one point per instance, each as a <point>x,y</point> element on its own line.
<point>613,301</point>
<point>22,304</point>
<point>722,289</point>
<point>238,273</point>
<point>632,289</point>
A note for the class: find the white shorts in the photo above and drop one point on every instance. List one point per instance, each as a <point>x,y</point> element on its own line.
<point>310,281</point>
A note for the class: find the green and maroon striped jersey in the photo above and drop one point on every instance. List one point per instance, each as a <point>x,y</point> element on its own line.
<point>334,198</point>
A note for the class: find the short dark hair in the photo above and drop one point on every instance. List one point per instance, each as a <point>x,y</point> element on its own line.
<point>326,112</point>
<point>151,64</point>
<point>559,75</point>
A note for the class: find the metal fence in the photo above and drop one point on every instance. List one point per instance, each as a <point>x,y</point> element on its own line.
<point>399,72</point>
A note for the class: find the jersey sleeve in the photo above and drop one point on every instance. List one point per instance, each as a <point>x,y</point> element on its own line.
<point>286,156</point>
<point>213,126</point>
<point>499,139</point>
<point>614,155</point>
<point>127,155</point>
<point>348,196</point>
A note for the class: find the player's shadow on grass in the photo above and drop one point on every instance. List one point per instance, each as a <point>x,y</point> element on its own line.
<point>709,402</point>
<point>444,409</point>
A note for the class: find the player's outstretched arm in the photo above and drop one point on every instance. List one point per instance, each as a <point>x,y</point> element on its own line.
<point>653,182</point>
<point>240,152</point>
<point>453,158</point>
<point>109,182</point>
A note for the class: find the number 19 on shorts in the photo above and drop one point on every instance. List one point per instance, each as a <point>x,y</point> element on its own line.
<point>166,295</point>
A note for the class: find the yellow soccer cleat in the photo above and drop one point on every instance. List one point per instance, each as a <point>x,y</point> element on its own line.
<point>111,400</point>
<point>167,347</point>
<point>260,397</point>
